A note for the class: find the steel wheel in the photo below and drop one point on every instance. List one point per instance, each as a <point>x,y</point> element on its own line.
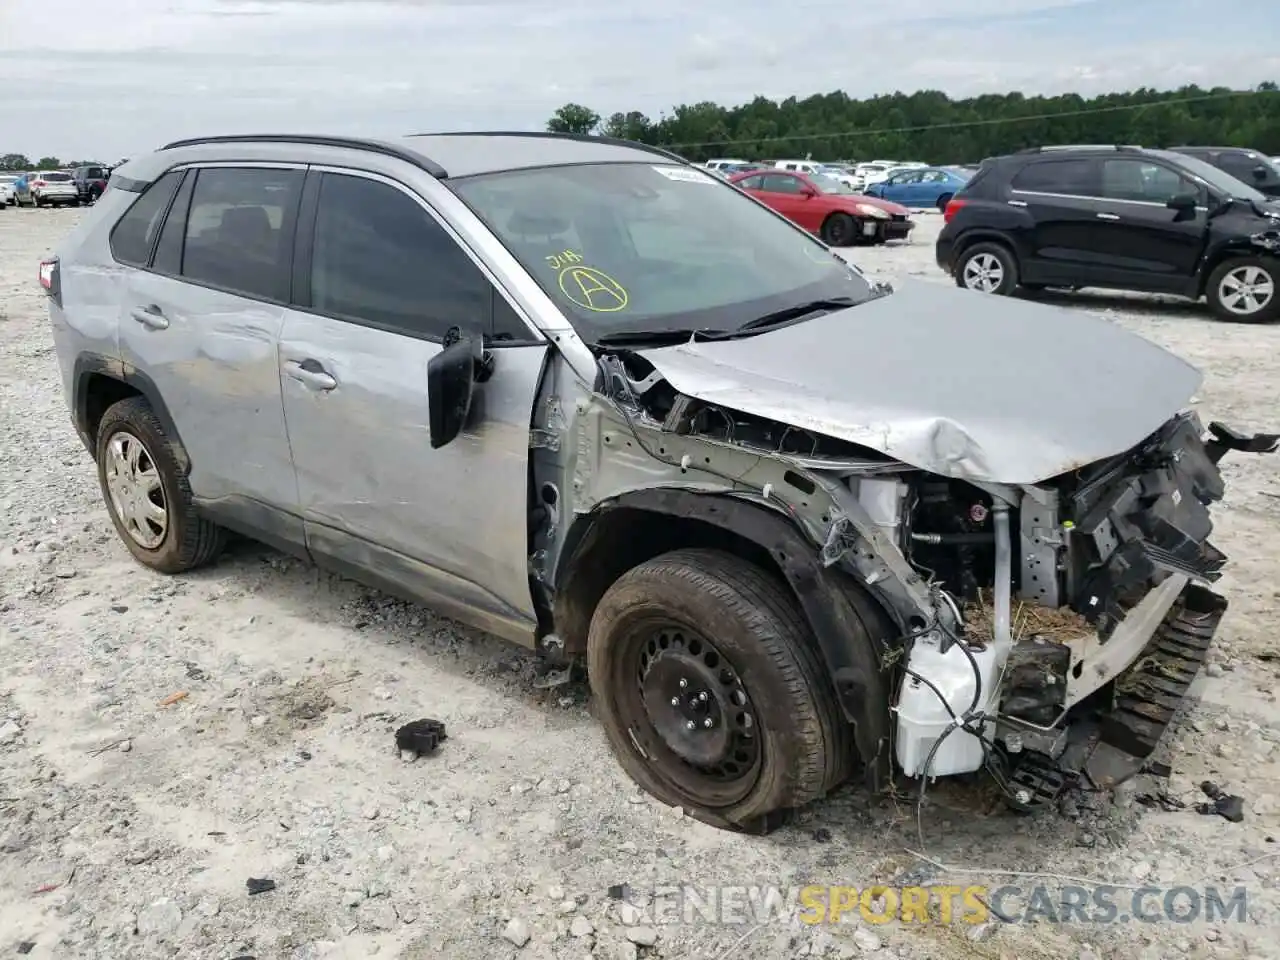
<point>136,491</point>
<point>983,272</point>
<point>1246,290</point>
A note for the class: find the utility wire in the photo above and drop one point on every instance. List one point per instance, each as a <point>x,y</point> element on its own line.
<point>960,124</point>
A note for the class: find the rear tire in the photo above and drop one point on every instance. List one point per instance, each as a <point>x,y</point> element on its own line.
<point>147,494</point>
<point>987,268</point>
<point>1245,290</point>
<point>840,230</point>
<point>767,736</point>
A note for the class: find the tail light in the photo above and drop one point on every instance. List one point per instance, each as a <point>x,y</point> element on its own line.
<point>953,207</point>
<point>38,183</point>
<point>51,279</point>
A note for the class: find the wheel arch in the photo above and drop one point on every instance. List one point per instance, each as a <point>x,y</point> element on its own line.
<point>848,623</point>
<point>98,382</point>
<point>1217,256</point>
<point>971,238</point>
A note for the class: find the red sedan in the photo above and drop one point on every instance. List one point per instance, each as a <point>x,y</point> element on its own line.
<point>827,207</point>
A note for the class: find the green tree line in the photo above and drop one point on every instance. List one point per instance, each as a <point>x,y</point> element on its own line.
<point>20,162</point>
<point>930,126</point>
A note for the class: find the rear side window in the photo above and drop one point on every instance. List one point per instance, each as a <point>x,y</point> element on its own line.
<point>1072,177</point>
<point>239,234</point>
<point>378,257</point>
<point>134,236</point>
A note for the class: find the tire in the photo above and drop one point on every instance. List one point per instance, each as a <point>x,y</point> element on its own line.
<point>944,200</point>
<point>186,540</point>
<point>993,261</point>
<point>840,230</point>
<point>652,625</point>
<point>1262,276</point>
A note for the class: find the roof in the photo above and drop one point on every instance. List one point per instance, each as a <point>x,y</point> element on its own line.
<point>468,154</point>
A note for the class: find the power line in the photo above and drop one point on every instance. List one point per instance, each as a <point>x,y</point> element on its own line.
<point>879,131</point>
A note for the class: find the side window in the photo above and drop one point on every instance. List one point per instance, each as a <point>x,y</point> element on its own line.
<point>239,233</point>
<point>380,258</point>
<point>168,258</point>
<point>751,183</point>
<point>781,183</point>
<point>1238,165</point>
<point>133,237</point>
<point>1070,177</point>
<point>1142,181</point>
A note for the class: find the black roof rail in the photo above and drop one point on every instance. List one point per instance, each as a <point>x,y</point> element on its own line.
<point>355,143</point>
<point>553,135</point>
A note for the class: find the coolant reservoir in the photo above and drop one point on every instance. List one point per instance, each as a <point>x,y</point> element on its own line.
<point>922,718</point>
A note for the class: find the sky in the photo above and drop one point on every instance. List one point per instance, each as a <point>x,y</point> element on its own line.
<point>116,79</point>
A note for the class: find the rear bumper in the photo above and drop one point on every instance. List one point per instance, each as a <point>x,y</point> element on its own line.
<point>943,252</point>
<point>61,196</point>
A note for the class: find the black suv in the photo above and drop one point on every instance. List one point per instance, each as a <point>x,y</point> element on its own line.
<point>1251,166</point>
<point>1125,218</point>
<point>91,181</point>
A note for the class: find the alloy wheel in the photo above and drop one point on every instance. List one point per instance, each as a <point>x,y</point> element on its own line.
<point>1246,290</point>
<point>983,272</point>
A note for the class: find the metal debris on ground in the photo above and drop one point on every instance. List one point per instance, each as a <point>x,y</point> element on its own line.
<point>257,885</point>
<point>1225,805</point>
<point>420,737</point>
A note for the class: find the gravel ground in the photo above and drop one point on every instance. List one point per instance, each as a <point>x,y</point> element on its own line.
<point>163,740</point>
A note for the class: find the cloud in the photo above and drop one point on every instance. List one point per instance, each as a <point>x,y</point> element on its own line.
<point>153,70</point>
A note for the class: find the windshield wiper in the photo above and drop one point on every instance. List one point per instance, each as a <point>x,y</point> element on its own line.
<point>797,312</point>
<point>636,338</point>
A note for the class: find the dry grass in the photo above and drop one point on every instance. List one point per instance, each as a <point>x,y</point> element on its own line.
<point>1058,625</point>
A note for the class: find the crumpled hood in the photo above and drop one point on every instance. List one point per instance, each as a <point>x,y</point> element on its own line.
<point>966,385</point>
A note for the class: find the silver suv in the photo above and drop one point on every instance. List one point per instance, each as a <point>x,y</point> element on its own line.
<point>582,395</point>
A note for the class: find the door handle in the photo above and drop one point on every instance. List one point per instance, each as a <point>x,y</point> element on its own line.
<point>310,373</point>
<point>150,317</point>
<point>1017,203</point>
<point>1108,216</point>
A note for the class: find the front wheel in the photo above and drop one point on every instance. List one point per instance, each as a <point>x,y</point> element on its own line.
<point>839,230</point>
<point>705,678</point>
<point>987,268</point>
<point>147,494</point>
<point>1243,290</point>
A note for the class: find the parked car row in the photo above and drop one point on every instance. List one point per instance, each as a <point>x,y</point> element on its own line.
<point>54,188</point>
<point>1191,221</point>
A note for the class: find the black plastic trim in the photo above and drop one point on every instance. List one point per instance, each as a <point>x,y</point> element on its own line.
<point>354,143</point>
<point>88,364</point>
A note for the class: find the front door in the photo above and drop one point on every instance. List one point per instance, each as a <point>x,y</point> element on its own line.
<point>201,314</point>
<point>785,192</point>
<point>384,282</point>
<point>1144,244</point>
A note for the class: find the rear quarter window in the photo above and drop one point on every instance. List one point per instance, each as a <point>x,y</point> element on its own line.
<point>1072,177</point>
<point>134,236</point>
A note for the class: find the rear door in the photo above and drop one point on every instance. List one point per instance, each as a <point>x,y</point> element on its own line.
<point>380,282</point>
<point>1144,244</point>
<point>201,318</point>
<point>1060,196</point>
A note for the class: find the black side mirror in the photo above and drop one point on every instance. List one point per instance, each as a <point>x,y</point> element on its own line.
<point>1183,201</point>
<point>451,378</point>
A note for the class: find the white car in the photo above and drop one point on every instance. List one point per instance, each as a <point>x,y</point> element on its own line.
<point>7,196</point>
<point>722,164</point>
<point>53,188</point>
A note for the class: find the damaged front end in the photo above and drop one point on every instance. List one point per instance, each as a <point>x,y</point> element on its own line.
<point>1040,631</point>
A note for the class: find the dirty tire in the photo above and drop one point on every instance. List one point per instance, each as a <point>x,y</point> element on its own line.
<point>944,200</point>
<point>987,268</point>
<point>1261,273</point>
<point>189,540</point>
<point>802,744</point>
<point>839,230</point>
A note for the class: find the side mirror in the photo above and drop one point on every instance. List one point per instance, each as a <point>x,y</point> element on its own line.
<point>1183,201</point>
<point>808,192</point>
<point>451,378</point>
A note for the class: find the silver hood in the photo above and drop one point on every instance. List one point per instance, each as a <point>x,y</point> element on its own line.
<point>966,385</point>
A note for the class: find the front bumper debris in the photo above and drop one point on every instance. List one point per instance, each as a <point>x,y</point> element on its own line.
<point>1117,741</point>
<point>899,228</point>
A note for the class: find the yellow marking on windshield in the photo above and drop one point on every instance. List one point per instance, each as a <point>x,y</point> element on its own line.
<point>593,289</point>
<point>565,258</point>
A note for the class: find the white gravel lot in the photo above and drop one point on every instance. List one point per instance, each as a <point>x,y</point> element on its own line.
<point>128,828</point>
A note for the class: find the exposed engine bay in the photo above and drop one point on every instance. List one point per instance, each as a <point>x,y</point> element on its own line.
<point>1049,630</point>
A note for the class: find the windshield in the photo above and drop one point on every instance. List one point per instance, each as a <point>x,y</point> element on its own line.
<point>829,184</point>
<point>53,177</point>
<point>1220,180</point>
<point>642,248</point>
